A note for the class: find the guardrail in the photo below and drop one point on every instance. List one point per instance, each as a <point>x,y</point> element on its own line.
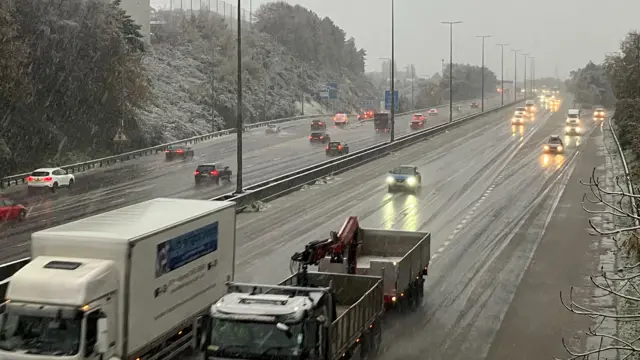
<point>284,184</point>
<point>276,187</point>
<point>97,163</point>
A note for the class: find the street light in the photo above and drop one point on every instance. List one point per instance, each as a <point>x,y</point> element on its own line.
<point>482,101</point>
<point>239,121</point>
<point>525,73</point>
<point>515,74</point>
<point>532,73</point>
<point>502,72</point>
<point>393,68</point>
<point>451,23</point>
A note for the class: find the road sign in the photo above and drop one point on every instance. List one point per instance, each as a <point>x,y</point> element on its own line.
<point>324,95</point>
<point>387,100</point>
<point>332,88</point>
<point>120,136</point>
<point>366,104</point>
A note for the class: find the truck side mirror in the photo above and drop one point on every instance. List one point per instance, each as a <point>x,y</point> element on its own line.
<point>102,344</point>
<point>285,329</point>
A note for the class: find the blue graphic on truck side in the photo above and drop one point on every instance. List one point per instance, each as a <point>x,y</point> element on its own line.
<point>179,251</point>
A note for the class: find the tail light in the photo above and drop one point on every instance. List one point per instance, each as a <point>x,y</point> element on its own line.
<point>340,147</point>
<point>179,151</point>
<point>214,173</point>
<point>29,178</point>
<point>310,137</point>
<point>321,137</point>
<point>48,178</point>
<point>166,151</point>
<point>196,173</point>
<point>327,148</point>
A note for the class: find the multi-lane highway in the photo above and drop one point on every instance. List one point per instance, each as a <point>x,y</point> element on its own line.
<point>488,196</point>
<point>265,156</point>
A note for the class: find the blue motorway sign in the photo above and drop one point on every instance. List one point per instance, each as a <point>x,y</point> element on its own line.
<point>387,100</point>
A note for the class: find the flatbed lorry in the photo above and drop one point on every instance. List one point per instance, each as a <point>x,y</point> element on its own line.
<point>323,315</point>
<point>131,283</point>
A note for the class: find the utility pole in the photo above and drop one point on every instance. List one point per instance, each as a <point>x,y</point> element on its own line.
<point>393,73</point>
<point>525,74</point>
<point>213,88</point>
<point>515,74</point>
<point>482,91</point>
<point>532,73</point>
<point>451,23</point>
<point>239,122</point>
<point>502,72</point>
<point>413,79</point>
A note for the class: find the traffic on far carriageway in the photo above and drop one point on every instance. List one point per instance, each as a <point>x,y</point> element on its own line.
<point>128,182</point>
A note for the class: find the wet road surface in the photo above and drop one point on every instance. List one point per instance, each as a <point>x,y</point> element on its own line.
<point>149,177</point>
<point>487,196</point>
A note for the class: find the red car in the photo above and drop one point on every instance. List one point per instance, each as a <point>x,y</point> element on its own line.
<point>417,122</point>
<point>367,115</point>
<point>10,210</point>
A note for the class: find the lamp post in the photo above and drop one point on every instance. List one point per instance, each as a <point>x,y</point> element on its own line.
<point>451,23</point>
<point>239,120</point>
<point>482,91</point>
<point>502,72</point>
<point>532,73</point>
<point>393,73</point>
<point>515,74</point>
<point>525,74</point>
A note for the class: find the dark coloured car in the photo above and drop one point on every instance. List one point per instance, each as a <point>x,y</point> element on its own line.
<point>318,125</point>
<point>336,148</point>
<point>319,137</point>
<point>178,152</point>
<point>272,129</point>
<point>475,105</point>
<point>404,177</point>
<point>554,145</point>
<point>212,172</point>
<point>10,210</point>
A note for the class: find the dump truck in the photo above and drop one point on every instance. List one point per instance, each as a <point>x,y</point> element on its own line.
<point>132,283</point>
<point>333,313</point>
<point>381,122</point>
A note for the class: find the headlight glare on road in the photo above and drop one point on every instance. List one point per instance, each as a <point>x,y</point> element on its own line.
<point>390,180</point>
<point>412,181</point>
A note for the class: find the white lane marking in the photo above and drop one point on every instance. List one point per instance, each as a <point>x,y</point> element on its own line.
<point>276,159</point>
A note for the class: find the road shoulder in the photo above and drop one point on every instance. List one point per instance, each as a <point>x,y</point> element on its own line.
<point>536,321</point>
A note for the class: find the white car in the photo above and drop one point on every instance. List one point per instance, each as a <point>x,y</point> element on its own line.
<point>433,112</point>
<point>51,178</point>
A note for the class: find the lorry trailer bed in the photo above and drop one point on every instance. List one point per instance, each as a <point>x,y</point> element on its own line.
<point>364,262</point>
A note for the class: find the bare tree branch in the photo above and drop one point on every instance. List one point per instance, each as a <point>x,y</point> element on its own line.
<point>616,208</point>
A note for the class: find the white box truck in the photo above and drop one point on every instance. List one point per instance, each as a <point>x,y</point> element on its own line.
<point>131,283</point>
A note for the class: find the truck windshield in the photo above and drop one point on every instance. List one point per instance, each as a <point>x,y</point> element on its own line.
<point>40,335</point>
<point>236,337</point>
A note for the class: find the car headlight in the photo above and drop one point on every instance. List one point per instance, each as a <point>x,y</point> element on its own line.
<point>559,148</point>
<point>567,129</point>
<point>546,147</point>
<point>412,181</point>
<point>390,180</point>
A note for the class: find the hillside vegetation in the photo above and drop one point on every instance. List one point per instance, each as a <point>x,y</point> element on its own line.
<point>73,72</point>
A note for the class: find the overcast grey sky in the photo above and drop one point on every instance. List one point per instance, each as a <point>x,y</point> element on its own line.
<point>559,33</point>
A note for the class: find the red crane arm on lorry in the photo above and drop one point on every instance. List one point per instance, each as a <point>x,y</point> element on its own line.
<point>334,247</point>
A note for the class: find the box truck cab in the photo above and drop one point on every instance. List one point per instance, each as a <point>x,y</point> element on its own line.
<point>127,284</point>
<point>573,117</point>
